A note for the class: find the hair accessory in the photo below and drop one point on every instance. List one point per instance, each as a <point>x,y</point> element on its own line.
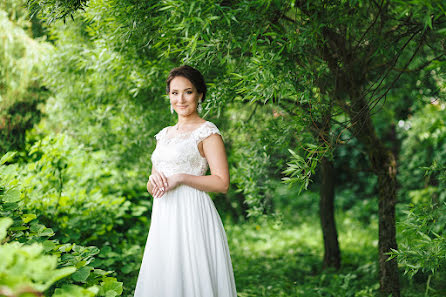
<point>199,108</point>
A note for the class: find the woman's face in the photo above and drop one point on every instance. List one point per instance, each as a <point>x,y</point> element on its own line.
<point>183,96</point>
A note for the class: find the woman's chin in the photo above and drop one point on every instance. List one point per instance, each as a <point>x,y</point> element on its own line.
<point>184,112</point>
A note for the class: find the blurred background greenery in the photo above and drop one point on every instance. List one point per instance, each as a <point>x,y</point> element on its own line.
<point>333,116</point>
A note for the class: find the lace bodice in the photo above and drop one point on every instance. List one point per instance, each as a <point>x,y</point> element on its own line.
<point>179,153</point>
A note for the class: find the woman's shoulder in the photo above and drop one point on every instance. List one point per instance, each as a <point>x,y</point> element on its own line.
<point>161,132</point>
<point>209,124</point>
<point>207,129</point>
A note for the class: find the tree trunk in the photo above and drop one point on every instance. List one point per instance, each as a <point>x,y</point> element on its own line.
<point>389,279</point>
<point>332,254</point>
<point>383,164</point>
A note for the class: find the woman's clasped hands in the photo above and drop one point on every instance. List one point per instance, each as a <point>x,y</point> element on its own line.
<point>161,184</point>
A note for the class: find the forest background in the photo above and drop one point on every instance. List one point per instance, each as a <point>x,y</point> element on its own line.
<point>333,116</point>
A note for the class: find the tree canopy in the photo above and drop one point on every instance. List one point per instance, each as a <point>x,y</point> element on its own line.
<point>341,98</point>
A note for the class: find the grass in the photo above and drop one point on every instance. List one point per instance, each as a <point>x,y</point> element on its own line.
<point>274,258</point>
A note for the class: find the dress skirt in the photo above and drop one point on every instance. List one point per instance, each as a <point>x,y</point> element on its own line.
<point>186,253</point>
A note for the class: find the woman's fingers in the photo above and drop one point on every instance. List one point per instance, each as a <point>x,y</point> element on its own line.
<point>164,180</point>
<point>152,182</point>
<point>161,181</point>
<point>156,192</point>
<point>161,191</point>
<point>157,181</point>
<point>159,184</point>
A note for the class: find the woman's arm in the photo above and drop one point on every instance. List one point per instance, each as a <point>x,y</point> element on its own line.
<point>218,181</point>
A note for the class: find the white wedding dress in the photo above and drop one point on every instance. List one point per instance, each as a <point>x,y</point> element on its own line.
<point>186,253</point>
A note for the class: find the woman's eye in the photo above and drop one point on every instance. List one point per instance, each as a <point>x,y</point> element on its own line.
<point>189,92</point>
<point>174,93</point>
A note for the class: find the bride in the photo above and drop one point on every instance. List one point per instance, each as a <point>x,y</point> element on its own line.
<point>186,253</point>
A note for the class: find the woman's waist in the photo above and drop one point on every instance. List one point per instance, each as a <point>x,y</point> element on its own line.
<point>169,172</point>
<point>185,188</point>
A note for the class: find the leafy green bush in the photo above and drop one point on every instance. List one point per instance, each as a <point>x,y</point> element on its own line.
<point>256,156</point>
<point>71,189</point>
<point>422,236</point>
<point>422,248</point>
<point>19,195</point>
<point>33,261</point>
<point>26,269</point>
<point>21,90</point>
<point>423,143</point>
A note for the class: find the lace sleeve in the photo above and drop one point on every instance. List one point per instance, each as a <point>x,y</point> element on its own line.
<point>160,134</point>
<point>207,130</point>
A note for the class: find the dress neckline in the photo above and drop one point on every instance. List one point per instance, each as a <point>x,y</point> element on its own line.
<point>183,133</point>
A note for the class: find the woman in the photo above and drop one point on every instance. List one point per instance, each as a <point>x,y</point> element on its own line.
<point>186,253</point>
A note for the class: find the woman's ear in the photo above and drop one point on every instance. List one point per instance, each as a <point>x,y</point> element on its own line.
<point>200,96</point>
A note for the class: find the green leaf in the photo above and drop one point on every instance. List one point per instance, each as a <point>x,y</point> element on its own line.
<point>111,287</point>
<point>82,274</point>
<point>61,273</point>
<point>75,291</point>
<point>12,195</point>
<point>47,232</point>
<point>48,245</point>
<point>7,157</point>
<point>4,225</point>
<point>28,217</point>
<point>10,206</point>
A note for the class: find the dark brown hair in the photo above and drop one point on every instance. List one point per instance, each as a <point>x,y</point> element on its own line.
<point>192,74</point>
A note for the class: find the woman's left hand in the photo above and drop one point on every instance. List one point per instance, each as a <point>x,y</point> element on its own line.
<point>173,181</point>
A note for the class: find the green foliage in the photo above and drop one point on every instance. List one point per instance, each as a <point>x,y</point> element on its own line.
<point>18,13</point>
<point>422,247</point>
<point>25,268</point>
<point>55,9</point>
<point>438,168</point>
<point>107,98</point>
<point>33,267</point>
<point>423,244</point>
<point>46,192</point>
<point>273,258</point>
<point>61,185</point>
<point>75,291</point>
<point>107,75</point>
<point>21,90</point>
<point>300,169</point>
<point>424,143</point>
<point>256,156</point>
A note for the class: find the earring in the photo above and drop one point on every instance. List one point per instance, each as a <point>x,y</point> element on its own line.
<point>171,109</point>
<point>199,108</point>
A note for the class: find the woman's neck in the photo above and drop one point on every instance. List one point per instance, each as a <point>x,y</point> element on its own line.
<point>190,119</point>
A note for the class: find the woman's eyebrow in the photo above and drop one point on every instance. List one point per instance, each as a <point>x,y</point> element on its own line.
<point>184,89</point>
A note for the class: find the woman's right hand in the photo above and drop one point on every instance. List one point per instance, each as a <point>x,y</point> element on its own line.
<point>158,181</point>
